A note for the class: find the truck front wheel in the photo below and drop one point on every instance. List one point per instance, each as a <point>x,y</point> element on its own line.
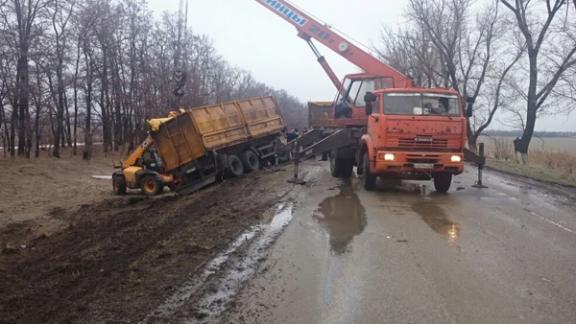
<point>151,185</point>
<point>340,167</point>
<point>442,182</point>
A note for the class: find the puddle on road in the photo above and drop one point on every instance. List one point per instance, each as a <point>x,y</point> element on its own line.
<point>224,276</point>
<point>437,219</point>
<point>342,217</point>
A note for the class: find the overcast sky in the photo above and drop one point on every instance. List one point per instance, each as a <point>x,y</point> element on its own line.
<point>252,38</point>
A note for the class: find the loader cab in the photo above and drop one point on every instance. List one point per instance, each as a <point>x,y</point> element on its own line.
<point>151,160</point>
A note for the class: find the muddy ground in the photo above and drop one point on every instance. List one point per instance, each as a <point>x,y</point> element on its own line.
<point>260,250</point>
<point>115,259</point>
<point>35,191</point>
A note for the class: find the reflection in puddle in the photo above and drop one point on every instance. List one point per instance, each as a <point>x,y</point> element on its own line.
<point>343,217</point>
<point>435,217</point>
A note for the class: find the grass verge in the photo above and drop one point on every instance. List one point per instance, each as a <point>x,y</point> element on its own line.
<point>533,171</point>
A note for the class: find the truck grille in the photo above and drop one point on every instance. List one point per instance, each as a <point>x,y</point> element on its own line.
<point>423,142</point>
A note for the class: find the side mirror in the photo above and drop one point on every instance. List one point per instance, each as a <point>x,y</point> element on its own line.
<point>469,108</point>
<point>369,108</point>
<point>369,99</point>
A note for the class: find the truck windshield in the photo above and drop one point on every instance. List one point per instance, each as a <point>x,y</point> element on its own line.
<point>421,104</point>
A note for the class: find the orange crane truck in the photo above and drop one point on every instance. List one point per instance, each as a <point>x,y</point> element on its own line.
<point>195,147</point>
<point>380,122</point>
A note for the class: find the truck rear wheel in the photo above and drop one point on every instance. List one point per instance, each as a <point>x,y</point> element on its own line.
<point>235,166</point>
<point>442,182</point>
<point>251,161</point>
<point>119,184</point>
<point>151,185</point>
<point>369,178</point>
<point>346,168</point>
<point>341,168</point>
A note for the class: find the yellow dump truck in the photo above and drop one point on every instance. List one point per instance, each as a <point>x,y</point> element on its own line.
<point>195,147</point>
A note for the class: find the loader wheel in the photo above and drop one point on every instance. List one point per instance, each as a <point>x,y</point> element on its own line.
<point>235,166</point>
<point>442,182</point>
<point>251,161</point>
<point>151,185</point>
<point>369,178</point>
<point>119,184</point>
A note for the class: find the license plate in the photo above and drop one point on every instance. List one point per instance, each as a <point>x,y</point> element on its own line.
<point>423,166</point>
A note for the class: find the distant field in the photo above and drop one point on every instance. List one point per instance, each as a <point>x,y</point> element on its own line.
<point>550,144</point>
<point>551,159</point>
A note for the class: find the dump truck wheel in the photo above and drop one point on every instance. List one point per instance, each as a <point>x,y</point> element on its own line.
<point>251,161</point>
<point>442,182</point>
<point>235,166</point>
<point>369,178</point>
<point>119,184</point>
<point>151,185</point>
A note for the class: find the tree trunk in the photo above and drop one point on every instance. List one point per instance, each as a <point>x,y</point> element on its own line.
<point>105,103</point>
<point>58,137</point>
<point>522,144</point>
<point>77,68</point>
<point>13,122</point>
<point>23,98</point>
<point>87,155</point>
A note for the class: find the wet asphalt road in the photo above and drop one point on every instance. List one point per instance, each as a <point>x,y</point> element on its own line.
<point>506,254</point>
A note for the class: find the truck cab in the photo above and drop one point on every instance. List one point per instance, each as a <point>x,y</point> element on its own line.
<point>413,133</point>
<point>349,106</point>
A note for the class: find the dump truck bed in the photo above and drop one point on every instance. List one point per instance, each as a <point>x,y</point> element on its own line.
<point>191,134</point>
<point>320,114</point>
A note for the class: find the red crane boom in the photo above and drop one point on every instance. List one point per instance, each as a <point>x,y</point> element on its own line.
<point>309,28</point>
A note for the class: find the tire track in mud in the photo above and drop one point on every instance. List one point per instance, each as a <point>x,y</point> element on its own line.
<point>204,298</point>
<point>123,257</point>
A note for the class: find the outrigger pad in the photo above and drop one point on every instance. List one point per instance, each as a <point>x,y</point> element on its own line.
<point>297,181</point>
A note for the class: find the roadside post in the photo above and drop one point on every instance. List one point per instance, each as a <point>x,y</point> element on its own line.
<point>481,162</point>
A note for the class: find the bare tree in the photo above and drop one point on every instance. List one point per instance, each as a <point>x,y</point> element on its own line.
<point>96,69</point>
<point>60,12</point>
<point>21,17</point>
<point>551,51</point>
<point>445,47</point>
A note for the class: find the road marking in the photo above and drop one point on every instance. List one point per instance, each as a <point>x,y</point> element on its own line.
<point>558,225</point>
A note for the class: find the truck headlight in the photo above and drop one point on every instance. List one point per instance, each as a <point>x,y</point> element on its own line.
<point>456,158</point>
<point>386,156</point>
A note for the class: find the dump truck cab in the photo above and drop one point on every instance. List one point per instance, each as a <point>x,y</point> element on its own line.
<point>414,133</point>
